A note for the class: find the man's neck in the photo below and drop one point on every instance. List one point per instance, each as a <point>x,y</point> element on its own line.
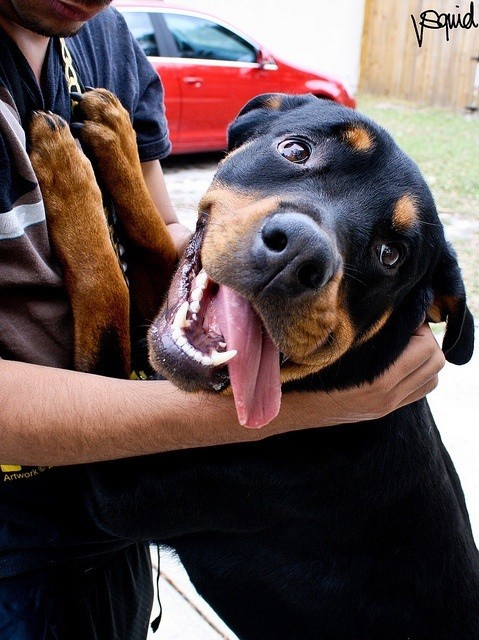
<point>32,45</point>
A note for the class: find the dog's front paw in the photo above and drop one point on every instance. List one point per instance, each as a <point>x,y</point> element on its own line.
<point>59,164</point>
<point>105,129</point>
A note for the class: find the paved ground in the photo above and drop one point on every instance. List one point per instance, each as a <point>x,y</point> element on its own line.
<point>455,405</point>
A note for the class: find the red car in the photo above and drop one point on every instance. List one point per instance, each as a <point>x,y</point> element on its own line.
<point>210,69</point>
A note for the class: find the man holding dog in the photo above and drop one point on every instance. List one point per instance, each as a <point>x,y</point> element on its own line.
<point>59,576</point>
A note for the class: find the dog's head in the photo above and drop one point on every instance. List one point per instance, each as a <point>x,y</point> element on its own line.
<point>318,242</point>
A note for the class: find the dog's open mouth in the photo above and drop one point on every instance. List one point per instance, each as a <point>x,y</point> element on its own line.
<point>208,337</point>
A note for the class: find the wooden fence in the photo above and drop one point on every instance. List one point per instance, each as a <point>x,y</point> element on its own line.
<point>439,72</point>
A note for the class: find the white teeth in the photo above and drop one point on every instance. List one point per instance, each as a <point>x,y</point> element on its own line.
<point>189,349</point>
<point>220,358</point>
<point>215,359</point>
<point>181,341</point>
<point>180,320</point>
<point>196,294</point>
<point>201,279</point>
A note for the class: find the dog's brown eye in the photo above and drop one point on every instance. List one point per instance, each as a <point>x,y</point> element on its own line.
<point>389,255</point>
<point>294,150</point>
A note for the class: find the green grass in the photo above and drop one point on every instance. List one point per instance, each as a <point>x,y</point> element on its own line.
<point>444,144</point>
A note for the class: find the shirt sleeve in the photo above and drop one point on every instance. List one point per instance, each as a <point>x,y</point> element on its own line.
<point>107,55</point>
<point>149,119</point>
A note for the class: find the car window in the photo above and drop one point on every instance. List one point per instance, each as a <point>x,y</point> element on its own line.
<point>199,38</point>
<point>141,27</point>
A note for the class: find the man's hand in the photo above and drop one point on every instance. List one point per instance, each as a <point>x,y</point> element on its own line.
<point>411,377</point>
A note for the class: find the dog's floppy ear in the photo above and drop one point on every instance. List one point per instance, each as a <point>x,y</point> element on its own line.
<point>259,111</point>
<point>449,305</point>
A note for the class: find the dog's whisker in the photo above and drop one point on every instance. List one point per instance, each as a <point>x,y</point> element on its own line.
<point>353,277</point>
<point>425,223</point>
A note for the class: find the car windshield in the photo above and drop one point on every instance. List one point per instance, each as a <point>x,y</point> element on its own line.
<point>199,38</point>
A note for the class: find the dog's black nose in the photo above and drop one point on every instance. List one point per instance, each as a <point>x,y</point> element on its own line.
<point>294,253</point>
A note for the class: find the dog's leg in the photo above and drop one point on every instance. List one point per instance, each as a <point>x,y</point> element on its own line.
<point>80,237</point>
<point>107,133</point>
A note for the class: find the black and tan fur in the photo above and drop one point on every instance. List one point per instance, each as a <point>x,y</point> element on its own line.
<point>80,234</point>
<point>357,532</point>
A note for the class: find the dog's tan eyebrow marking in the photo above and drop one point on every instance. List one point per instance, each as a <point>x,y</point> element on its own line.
<point>273,102</point>
<point>405,213</point>
<point>359,138</point>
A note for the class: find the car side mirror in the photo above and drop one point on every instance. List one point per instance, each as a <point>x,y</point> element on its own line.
<point>263,58</point>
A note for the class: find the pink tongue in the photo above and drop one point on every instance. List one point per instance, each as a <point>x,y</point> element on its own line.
<point>254,371</point>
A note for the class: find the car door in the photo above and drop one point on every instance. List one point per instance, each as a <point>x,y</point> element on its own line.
<point>149,30</point>
<point>218,72</point>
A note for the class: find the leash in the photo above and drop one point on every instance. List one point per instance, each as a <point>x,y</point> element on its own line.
<point>69,70</point>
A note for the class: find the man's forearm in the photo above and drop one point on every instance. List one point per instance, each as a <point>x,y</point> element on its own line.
<point>58,417</point>
<point>55,417</point>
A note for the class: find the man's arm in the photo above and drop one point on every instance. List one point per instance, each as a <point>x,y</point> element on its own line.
<point>155,182</point>
<point>55,417</point>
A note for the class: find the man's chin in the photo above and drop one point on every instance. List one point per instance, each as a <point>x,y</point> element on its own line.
<point>51,19</point>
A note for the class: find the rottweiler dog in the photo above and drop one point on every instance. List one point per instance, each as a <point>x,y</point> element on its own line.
<point>318,252</point>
